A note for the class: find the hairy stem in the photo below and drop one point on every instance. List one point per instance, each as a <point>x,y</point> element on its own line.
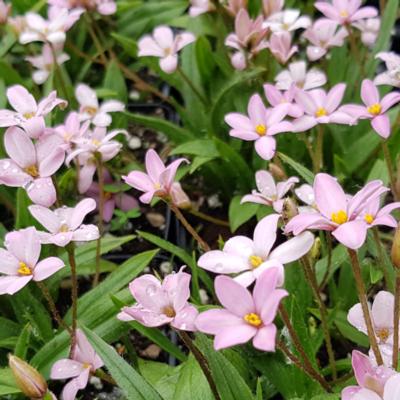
<point>209,218</point>
<point>95,39</point>
<point>100,177</point>
<point>396,317</point>
<point>355,49</point>
<point>58,73</point>
<point>391,172</point>
<point>329,266</point>
<point>381,257</point>
<point>362,295</point>
<point>319,149</point>
<point>74,294</point>
<point>201,361</point>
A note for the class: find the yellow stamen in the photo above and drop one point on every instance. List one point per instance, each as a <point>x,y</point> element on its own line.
<point>255,261</point>
<point>90,110</point>
<point>321,112</point>
<point>375,109</point>
<point>340,217</point>
<point>253,319</point>
<point>344,14</point>
<point>369,219</point>
<point>96,142</point>
<point>157,186</point>
<point>32,171</point>
<point>29,115</point>
<point>169,311</point>
<point>261,130</point>
<point>86,365</point>
<point>383,334</point>
<point>64,228</point>
<point>24,269</point>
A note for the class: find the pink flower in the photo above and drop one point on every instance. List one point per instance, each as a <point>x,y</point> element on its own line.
<point>306,194</point>
<point>338,212</point>
<point>269,193</point>
<point>280,45</point>
<point>32,165</point>
<point>373,215</point>
<point>121,200</point>
<point>275,97</point>
<point>157,181</point>
<point>71,131</point>
<point>44,64</point>
<point>374,109</point>
<point>271,7</point>
<point>65,224</point>
<point>320,108</point>
<point>83,363</point>
<point>20,262</point>
<point>374,383</point>
<point>345,11</point>
<point>323,35</point>
<point>90,110</point>
<point>297,75</point>
<point>166,46</point>
<point>392,75</point>
<point>260,125</point>
<point>51,30</point>
<point>287,21</point>
<point>369,29</point>
<point>104,7</point>
<point>250,258</point>
<point>244,316</point>
<point>5,10</point>
<point>234,6</point>
<point>28,114</point>
<point>198,7</point>
<point>161,303</point>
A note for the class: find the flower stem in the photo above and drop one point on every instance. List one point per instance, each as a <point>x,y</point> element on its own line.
<point>354,49</point>
<point>74,294</point>
<point>100,177</point>
<point>95,39</point>
<point>208,218</point>
<point>189,227</point>
<point>58,73</point>
<point>396,322</point>
<point>381,257</point>
<point>319,149</point>
<point>192,86</point>
<point>52,306</point>
<point>309,371</point>
<point>389,165</point>
<point>312,281</point>
<point>201,361</point>
<point>364,304</point>
<point>329,266</point>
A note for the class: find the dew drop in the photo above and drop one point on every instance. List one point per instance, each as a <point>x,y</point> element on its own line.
<point>151,290</point>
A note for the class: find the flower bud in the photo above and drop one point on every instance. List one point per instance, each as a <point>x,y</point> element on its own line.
<point>179,197</point>
<point>315,251</point>
<point>277,172</point>
<point>238,61</point>
<point>289,209</point>
<point>396,248</point>
<point>28,379</point>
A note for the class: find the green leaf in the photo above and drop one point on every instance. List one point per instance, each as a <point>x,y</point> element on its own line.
<point>8,328</point>
<point>240,213</point>
<point>7,382</point>
<point>135,387</point>
<point>204,58</point>
<point>114,80</point>
<point>128,44</point>
<point>305,173</point>
<point>349,331</point>
<point>22,346</point>
<point>230,384</point>
<point>23,218</point>
<point>199,147</point>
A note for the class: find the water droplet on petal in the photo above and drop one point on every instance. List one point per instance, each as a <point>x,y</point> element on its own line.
<point>151,290</point>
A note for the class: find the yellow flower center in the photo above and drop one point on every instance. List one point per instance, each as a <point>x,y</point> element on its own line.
<point>253,319</point>
<point>24,269</point>
<point>90,110</point>
<point>255,261</point>
<point>86,365</point>
<point>157,186</point>
<point>261,130</point>
<point>32,171</point>
<point>375,109</point>
<point>96,142</point>
<point>64,228</point>
<point>29,115</point>
<point>321,112</point>
<point>344,14</point>
<point>369,219</point>
<point>340,217</point>
<point>383,334</point>
<point>169,311</point>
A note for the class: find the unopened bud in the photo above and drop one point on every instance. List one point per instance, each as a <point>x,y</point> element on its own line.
<point>289,209</point>
<point>396,248</point>
<point>28,379</point>
<point>277,172</point>
<point>238,61</point>
<point>179,197</point>
<point>315,251</point>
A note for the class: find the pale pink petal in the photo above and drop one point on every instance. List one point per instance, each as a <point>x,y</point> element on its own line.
<point>183,39</point>
<point>327,9</point>
<point>66,368</point>
<point>169,64</point>
<point>256,110</point>
<point>308,220</point>
<point>47,267</point>
<point>12,284</point>
<point>304,123</point>
<point>24,245</point>
<point>381,125</point>
<point>168,176</point>
<point>178,288</point>
<point>86,96</point>
<point>46,217</point>
<point>9,264</point>
<point>148,47</point>
<point>164,36</point>
<point>369,93</point>
<point>86,233</point>
<point>390,100</point>
<point>222,263</point>
<point>352,234</point>
<point>265,147</point>
<point>240,246</point>
<point>80,211</point>
<point>112,106</point>
<point>364,13</point>
<point>355,317</point>
<point>214,320</point>
<point>229,337</point>
<point>42,191</point>
<point>382,309</point>
<point>19,147</point>
<point>102,119</point>
<point>140,181</point>
<point>59,239</point>
<point>265,235</point>
<point>240,122</point>
<point>265,338</point>
<point>86,174</point>
<point>334,97</point>
<point>74,385</point>
<point>246,278</point>
<point>392,388</point>
<point>34,126</point>
<point>185,319</point>
<point>21,100</point>
<point>273,95</point>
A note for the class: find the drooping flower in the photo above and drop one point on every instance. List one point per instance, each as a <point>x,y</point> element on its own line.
<point>198,7</point>
<point>287,21</point>
<point>374,383</point>
<point>90,110</point>
<point>271,7</point>
<point>157,181</point>
<point>369,29</point>
<point>392,74</point>
<point>269,193</point>
<point>251,317</point>
<point>51,30</point>
<point>260,125</point>
<point>248,39</point>
<point>323,35</point>
<point>280,45</point>
<point>166,46</point>
<point>20,261</point>
<point>32,165</point>
<point>321,108</point>
<point>44,63</point>
<point>121,200</point>
<point>65,224</point>
<point>250,258</point>
<point>28,114</point>
<point>161,303</point>
<point>104,7</point>
<point>275,97</point>
<point>83,363</point>
<point>297,75</point>
<point>345,12</point>
<point>338,212</point>
<point>374,108</point>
